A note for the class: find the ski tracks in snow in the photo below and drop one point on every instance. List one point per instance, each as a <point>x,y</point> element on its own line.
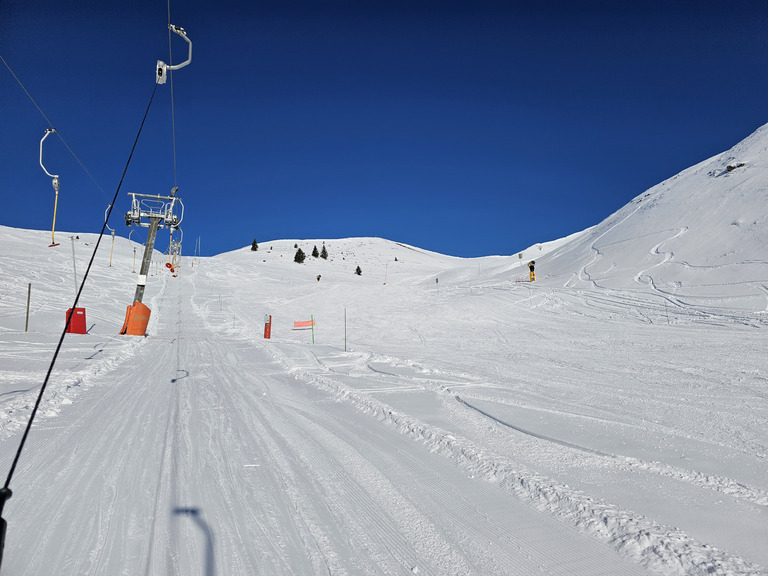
<point>713,482</point>
<point>528,535</point>
<point>235,456</point>
<point>641,275</point>
<point>659,548</point>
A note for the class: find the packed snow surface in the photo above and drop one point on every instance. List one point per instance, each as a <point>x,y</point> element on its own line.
<point>445,416</point>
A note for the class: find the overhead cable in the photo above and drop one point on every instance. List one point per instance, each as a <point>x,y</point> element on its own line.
<point>5,491</point>
<point>52,127</point>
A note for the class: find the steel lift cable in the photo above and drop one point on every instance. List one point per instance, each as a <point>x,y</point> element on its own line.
<point>5,491</point>
<point>173,114</point>
<point>161,71</point>
<point>50,125</point>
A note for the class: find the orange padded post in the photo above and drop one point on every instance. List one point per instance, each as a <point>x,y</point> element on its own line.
<point>136,320</point>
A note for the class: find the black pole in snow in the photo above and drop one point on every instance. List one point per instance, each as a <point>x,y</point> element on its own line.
<point>5,493</point>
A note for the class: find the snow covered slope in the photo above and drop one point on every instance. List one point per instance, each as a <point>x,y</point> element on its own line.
<point>445,416</point>
<point>699,236</point>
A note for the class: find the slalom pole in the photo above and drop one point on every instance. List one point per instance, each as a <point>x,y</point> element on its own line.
<point>312,317</point>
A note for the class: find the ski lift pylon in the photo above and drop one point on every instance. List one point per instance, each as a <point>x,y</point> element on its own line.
<point>153,212</point>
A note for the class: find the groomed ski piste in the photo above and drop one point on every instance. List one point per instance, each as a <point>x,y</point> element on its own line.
<point>445,417</point>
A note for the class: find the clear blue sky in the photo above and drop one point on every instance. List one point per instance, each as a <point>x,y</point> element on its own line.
<point>466,127</point>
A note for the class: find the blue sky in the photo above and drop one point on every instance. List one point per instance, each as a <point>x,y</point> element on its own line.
<point>469,128</point>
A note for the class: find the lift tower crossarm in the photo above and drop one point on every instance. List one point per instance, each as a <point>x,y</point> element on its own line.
<point>148,206</point>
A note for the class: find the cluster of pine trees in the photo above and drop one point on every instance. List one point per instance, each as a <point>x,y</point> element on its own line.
<point>300,256</point>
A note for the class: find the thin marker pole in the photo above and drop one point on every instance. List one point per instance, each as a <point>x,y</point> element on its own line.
<point>112,249</point>
<point>29,296</point>
<point>74,265</point>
